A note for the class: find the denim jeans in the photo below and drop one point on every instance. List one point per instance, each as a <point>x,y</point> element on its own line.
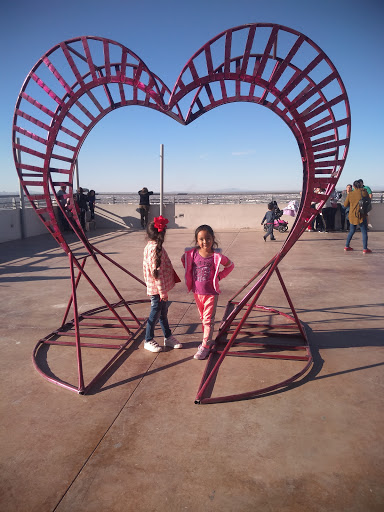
<point>269,231</point>
<point>159,311</point>
<point>144,209</point>
<point>347,217</point>
<point>364,232</point>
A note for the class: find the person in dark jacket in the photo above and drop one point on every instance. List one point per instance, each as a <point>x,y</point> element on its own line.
<point>269,217</point>
<point>144,206</point>
<point>91,198</point>
<point>81,200</point>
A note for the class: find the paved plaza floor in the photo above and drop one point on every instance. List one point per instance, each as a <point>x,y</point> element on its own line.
<point>137,441</point>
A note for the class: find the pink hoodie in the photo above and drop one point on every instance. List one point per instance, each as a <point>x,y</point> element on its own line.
<point>187,260</point>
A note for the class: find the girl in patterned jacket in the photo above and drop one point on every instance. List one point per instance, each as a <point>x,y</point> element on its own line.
<point>202,275</point>
<point>159,277</point>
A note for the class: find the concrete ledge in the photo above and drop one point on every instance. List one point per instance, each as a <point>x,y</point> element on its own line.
<point>186,216</point>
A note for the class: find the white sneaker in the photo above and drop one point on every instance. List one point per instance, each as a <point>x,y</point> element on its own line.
<point>172,342</point>
<point>152,346</point>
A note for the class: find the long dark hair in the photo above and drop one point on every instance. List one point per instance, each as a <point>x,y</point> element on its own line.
<point>158,237</point>
<point>357,184</point>
<point>205,227</point>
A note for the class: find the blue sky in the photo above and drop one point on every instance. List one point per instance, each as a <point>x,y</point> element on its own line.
<point>237,146</point>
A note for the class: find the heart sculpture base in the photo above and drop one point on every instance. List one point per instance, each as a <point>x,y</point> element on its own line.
<point>248,327</point>
<point>97,325</point>
<point>114,325</point>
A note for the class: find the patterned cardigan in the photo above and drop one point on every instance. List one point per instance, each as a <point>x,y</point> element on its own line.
<point>166,280</point>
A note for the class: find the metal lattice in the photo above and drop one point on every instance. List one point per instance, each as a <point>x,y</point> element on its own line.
<point>76,83</point>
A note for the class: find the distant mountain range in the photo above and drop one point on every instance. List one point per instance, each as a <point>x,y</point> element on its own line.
<point>234,191</point>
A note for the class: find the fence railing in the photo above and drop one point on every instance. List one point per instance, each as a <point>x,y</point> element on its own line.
<point>12,201</point>
<point>262,197</point>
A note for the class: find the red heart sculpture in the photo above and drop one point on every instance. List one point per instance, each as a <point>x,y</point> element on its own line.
<point>263,63</point>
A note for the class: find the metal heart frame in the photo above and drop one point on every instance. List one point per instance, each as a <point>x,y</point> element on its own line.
<point>77,82</point>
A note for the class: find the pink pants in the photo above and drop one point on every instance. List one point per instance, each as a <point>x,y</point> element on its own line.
<point>206,304</point>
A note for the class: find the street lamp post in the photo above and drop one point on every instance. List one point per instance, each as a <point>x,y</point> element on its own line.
<point>161,177</point>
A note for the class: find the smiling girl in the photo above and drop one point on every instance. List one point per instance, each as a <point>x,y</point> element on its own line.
<point>202,275</point>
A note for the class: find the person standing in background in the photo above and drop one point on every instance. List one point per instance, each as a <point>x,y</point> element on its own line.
<point>344,196</point>
<point>62,197</point>
<point>356,218</point>
<point>370,197</point>
<point>269,217</point>
<point>329,211</point>
<point>81,200</point>
<point>91,198</point>
<point>366,188</point>
<point>144,206</point>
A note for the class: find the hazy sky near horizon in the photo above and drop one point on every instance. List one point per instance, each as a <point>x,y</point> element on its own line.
<point>238,146</point>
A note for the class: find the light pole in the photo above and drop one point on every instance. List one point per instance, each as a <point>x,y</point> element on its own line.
<point>161,177</point>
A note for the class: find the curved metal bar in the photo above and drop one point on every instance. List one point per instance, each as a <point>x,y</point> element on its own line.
<point>54,339</point>
<point>294,91</point>
<point>255,393</point>
<point>306,93</point>
<point>58,103</point>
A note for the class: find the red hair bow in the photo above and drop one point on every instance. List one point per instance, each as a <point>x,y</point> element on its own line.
<point>160,223</point>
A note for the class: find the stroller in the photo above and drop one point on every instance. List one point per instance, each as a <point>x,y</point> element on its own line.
<point>279,224</point>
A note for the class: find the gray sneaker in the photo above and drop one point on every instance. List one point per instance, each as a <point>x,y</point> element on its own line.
<point>172,342</point>
<point>202,352</point>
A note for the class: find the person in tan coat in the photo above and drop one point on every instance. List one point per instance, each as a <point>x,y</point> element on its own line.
<point>355,217</point>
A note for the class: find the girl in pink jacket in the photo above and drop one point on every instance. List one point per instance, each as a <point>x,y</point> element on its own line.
<point>202,275</point>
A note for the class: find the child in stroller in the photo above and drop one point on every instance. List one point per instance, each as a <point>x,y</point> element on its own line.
<point>279,224</point>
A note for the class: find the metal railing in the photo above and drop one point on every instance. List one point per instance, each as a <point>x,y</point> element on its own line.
<point>12,201</point>
<point>185,198</point>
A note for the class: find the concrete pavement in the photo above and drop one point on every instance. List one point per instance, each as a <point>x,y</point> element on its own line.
<point>138,442</point>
